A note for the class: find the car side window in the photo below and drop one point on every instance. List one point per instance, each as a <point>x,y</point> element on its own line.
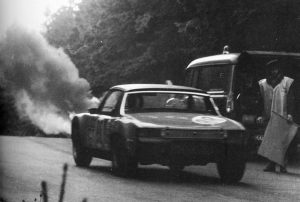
<point>110,104</point>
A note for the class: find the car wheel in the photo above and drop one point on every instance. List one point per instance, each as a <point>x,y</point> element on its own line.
<point>81,156</point>
<point>232,167</point>
<point>123,164</point>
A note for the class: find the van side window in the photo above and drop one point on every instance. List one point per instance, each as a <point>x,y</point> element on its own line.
<point>188,77</point>
<point>191,78</point>
<point>195,78</point>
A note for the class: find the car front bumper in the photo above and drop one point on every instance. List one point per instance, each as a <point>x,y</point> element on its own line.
<point>183,151</point>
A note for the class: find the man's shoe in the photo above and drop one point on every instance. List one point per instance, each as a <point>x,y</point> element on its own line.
<point>283,169</point>
<point>270,168</point>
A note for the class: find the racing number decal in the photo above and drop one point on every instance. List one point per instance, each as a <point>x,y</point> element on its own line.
<point>208,120</point>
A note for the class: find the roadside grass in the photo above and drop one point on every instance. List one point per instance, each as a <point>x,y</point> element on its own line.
<point>27,129</point>
<point>44,190</point>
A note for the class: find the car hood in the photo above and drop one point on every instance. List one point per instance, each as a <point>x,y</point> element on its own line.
<point>184,120</point>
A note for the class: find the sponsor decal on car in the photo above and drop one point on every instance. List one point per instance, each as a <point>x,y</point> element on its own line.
<point>208,120</point>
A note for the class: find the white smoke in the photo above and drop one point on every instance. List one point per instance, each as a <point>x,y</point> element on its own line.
<point>44,115</point>
<point>42,79</point>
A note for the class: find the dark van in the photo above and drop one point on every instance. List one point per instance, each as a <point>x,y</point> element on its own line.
<point>232,80</point>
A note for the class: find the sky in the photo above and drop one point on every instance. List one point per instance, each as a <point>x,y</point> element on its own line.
<point>30,13</point>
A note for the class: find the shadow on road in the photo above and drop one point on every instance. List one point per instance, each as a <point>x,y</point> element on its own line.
<point>102,169</point>
<point>292,174</point>
<point>293,162</point>
<point>186,177</point>
<point>161,175</point>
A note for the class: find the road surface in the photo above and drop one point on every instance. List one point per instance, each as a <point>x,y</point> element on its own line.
<point>26,161</point>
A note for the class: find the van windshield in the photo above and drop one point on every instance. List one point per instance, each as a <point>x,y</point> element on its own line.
<point>211,78</point>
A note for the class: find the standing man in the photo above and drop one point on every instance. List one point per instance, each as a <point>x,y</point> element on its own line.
<point>274,90</point>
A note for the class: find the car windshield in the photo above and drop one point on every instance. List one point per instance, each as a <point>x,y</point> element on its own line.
<point>168,102</point>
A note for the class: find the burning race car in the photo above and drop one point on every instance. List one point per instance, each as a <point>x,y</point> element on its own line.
<point>170,125</point>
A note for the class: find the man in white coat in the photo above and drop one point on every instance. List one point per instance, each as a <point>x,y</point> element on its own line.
<point>274,90</point>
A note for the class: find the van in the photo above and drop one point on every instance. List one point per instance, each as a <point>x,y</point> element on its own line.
<point>232,81</point>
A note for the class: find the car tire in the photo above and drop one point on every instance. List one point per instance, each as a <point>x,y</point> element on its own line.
<point>123,164</point>
<point>81,155</point>
<point>231,168</point>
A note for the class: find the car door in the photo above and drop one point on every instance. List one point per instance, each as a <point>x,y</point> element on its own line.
<point>108,111</point>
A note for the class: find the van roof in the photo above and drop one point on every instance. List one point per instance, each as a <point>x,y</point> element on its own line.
<point>233,58</point>
<point>222,59</point>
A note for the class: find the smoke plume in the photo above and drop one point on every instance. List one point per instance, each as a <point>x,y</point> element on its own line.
<point>42,79</point>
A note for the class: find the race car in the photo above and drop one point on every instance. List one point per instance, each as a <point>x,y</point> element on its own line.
<point>171,125</point>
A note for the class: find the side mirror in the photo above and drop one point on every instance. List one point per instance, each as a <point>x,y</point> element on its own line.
<point>93,111</point>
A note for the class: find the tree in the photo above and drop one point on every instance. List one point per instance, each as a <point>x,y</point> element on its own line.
<point>255,25</point>
<point>122,41</point>
<point>114,42</point>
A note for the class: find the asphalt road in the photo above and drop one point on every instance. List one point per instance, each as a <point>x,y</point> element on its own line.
<point>26,161</point>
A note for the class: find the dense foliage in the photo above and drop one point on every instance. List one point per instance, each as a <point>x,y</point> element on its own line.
<point>114,42</point>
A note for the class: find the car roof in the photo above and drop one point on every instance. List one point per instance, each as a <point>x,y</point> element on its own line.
<point>139,87</point>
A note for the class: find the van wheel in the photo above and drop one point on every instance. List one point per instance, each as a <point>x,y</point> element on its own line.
<point>122,163</point>
<point>232,167</point>
<point>81,155</point>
